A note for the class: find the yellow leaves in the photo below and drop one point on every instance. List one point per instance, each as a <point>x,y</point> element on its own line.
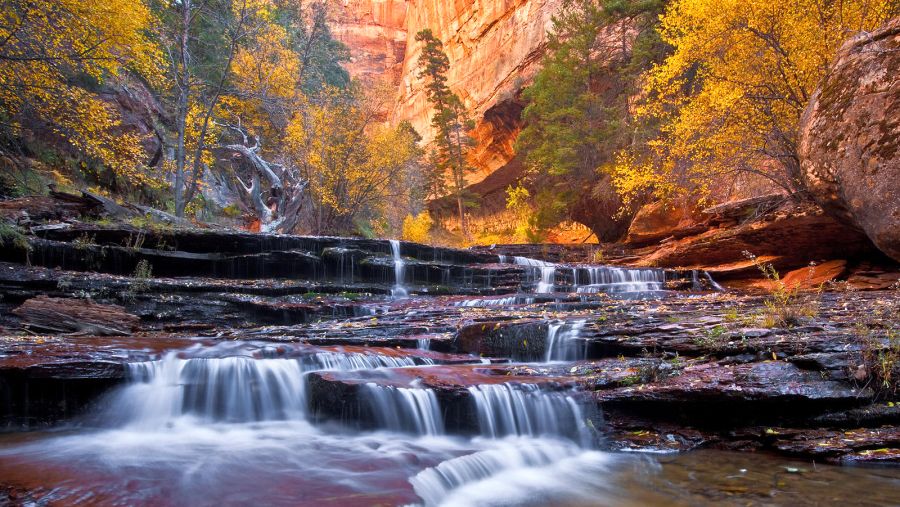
<point>418,228</point>
<point>730,95</point>
<point>268,68</point>
<point>48,42</point>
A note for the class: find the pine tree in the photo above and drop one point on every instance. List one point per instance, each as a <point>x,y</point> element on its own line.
<point>450,120</point>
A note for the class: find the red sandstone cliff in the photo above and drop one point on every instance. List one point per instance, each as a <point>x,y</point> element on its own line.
<point>494,48</point>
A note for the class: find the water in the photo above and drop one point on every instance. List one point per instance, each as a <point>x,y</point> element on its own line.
<point>412,410</point>
<point>617,280</point>
<point>399,289</point>
<point>526,410</point>
<point>292,463</point>
<point>231,389</point>
<point>487,302</point>
<point>564,343</point>
<point>546,271</point>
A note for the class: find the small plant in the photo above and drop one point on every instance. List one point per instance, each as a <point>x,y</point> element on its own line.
<point>143,272</point>
<point>786,305</point>
<point>880,339</point>
<point>598,257</point>
<point>84,241</point>
<point>10,234</point>
<point>135,241</point>
<point>713,338</point>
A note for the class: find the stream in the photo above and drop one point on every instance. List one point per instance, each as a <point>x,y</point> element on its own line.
<point>390,405</point>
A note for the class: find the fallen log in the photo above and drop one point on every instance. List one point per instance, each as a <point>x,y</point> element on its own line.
<point>78,316</point>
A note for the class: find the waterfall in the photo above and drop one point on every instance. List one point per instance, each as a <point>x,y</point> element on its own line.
<point>238,388</point>
<point>713,283</point>
<point>526,410</point>
<point>563,342</point>
<point>494,474</point>
<point>399,289</point>
<point>547,272</point>
<point>359,361</point>
<point>423,343</point>
<point>615,280</point>
<point>506,301</point>
<point>412,410</point>
<point>228,389</point>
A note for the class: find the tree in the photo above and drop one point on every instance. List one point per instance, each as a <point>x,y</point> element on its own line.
<point>579,108</point>
<point>202,39</point>
<point>51,51</point>
<point>357,170</point>
<point>730,96</point>
<point>450,120</point>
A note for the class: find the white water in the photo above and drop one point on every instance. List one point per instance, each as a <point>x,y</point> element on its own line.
<point>487,302</point>
<point>547,272</point>
<point>563,343</point>
<point>399,289</point>
<point>526,410</point>
<point>520,471</point>
<point>616,280</point>
<point>413,410</point>
<point>238,388</point>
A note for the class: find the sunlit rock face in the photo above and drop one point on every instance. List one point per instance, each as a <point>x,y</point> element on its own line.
<point>494,48</point>
<point>375,33</point>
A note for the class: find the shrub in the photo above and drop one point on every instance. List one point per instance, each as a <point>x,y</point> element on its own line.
<point>418,228</point>
<point>786,306</point>
<point>879,334</point>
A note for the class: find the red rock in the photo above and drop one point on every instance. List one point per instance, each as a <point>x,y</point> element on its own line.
<point>815,275</point>
<point>850,137</point>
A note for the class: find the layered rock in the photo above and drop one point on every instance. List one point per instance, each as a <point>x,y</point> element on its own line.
<point>375,33</point>
<point>850,137</point>
<point>494,50</point>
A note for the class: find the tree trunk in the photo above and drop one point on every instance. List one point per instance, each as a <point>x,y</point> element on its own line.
<point>182,108</point>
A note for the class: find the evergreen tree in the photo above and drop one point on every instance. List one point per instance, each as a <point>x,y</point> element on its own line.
<point>450,120</point>
<point>578,114</point>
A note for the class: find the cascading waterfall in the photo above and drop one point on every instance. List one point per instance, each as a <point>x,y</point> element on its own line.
<point>406,409</point>
<point>228,389</point>
<point>616,280</point>
<point>359,361</point>
<point>526,410</point>
<point>468,477</point>
<point>481,303</point>
<point>563,343</point>
<point>232,389</point>
<point>547,271</point>
<point>399,289</point>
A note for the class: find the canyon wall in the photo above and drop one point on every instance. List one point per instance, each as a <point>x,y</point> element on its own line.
<point>494,48</point>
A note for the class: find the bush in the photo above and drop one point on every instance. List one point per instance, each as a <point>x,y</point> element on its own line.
<point>786,306</point>
<point>418,228</point>
<point>879,334</point>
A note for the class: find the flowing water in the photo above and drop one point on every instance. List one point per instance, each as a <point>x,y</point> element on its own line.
<point>234,430</point>
<point>563,342</point>
<point>399,289</point>
<point>232,424</point>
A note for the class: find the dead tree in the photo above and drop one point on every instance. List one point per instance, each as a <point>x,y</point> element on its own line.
<point>280,211</point>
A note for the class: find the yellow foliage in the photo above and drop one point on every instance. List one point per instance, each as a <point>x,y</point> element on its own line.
<point>352,166</point>
<point>730,95</point>
<point>45,43</point>
<point>418,228</point>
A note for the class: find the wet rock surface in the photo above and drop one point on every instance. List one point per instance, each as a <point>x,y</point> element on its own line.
<point>667,363</point>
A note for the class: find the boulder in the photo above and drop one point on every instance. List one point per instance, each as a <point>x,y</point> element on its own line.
<point>656,222</point>
<point>850,137</point>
